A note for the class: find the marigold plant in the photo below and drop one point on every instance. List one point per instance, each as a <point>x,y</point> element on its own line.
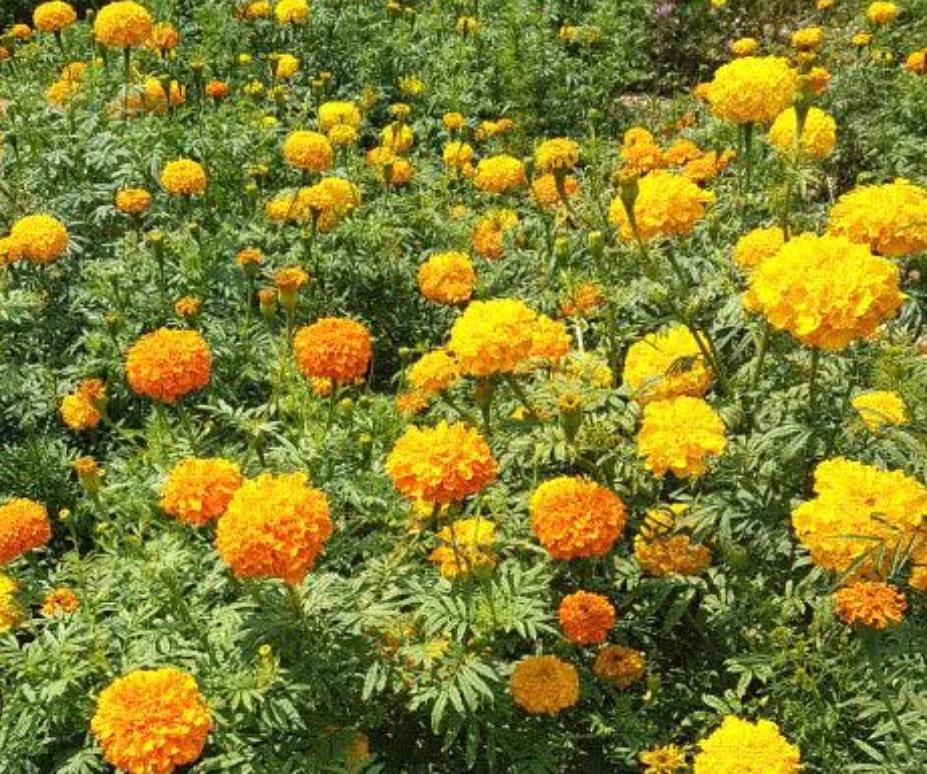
<point>333,348</point>
<point>544,685</point>
<point>166,364</point>
<point>586,618</point>
<point>870,604</point>
<point>198,490</point>
<point>740,746</point>
<point>680,435</point>
<point>24,526</point>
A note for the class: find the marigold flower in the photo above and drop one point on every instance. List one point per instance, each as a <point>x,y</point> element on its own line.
<point>453,121</point>
<point>870,604</point>
<point>397,137</point>
<point>756,246</point>
<point>665,759</point>
<point>882,13</point>
<point>586,617</point>
<point>620,665</point>
<point>275,526</point>
<point>818,136</point>
<point>335,348</point>
<point>80,412</point>
<point>752,89</point>
<point>547,194</point>
<point>499,174</point>
<point>53,16</point>
<point>249,256</point>
<point>151,721</point>
<point>309,151</point>
<point>61,92</point>
<point>679,435</point>
<point>11,612</point>
<point>825,290</point>
<point>490,230</point>
<point>164,37</point>
<point>860,516</point>
<point>666,364</point>
<point>549,340</point>
<point>183,177</point>
<point>165,365</point>
<point>558,155</point>
<point>861,39</point>
<point>917,62</point>
<point>640,152</point>
<point>411,403</point>
<point>681,152</point>
<point>122,24</point>
<point>198,490</point>
<point>447,278</point>
<point>466,548</point>
<point>217,89</point>
<point>21,31</point>
<point>38,238</point>
<point>291,11</point>
<point>880,407</point>
<point>544,685</point>
<point>288,282</point>
<point>890,218</point>
<point>575,518</point>
<point>434,373</point>
<point>807,38</point>
<point>493,336</point>
<point>666,205</point>
<point>737,741</point>
<point>133,201</point>
<point>442,464</point>
<point>60,601</point>
<point>744,47</point>
<point>457,154</point>
<point>335,113</point>
<point>582,300</point>
<point>156,99</point>
<point>24,526</point>
<point>662,551</point>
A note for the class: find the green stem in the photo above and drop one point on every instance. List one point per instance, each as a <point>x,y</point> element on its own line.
<point>761,349</point>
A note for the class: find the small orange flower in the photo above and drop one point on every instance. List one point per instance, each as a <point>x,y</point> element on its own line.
<point>133,201</point>
<point>619,665</point>
<point>59,601</point>
<point>586,617</point>
<point>335,348</point>
<point>870,604</point>
<point>24,526</point>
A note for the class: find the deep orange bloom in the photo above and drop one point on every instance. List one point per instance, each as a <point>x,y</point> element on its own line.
<point>166,364</point>
<point>23,526</point>
<point>334,348</point>
<point>586,617</point>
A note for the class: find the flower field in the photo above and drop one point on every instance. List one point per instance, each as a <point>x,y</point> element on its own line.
<point>404,386</point>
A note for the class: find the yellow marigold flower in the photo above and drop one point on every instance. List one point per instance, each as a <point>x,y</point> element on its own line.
<point>447,278</point>
<point>188,306</point>
<point>434,373</point>
<point>861,39</point>
<point>156,99</point>
<point>756,246</point>
<point>544,685</point>
<point>870,604</point>
<point>752,89</point>
<point>917,62</point>
<point>341,135</point>
<point>38,238</point>
<point>411,85</point>
<point>165,365</point>
<point>442,464</point>
<point>498,174</point>
<point>807,38</point>
<point>666,759</point>
<point>53,16</point>
<point>818,136</point>
<point>681,152</point>
<point>339,199</point>
<point>620,665</point>
<point>286,67</point>
<point>466,548</point>
<point>575,518</point>
<point>744,46</point>
<point>123,24</point>
<point>666,364</point>
<point>586,618</point>
<point>259,9</point>
<point>151,721</point>
<point>582,300</point>
<point>397,137</point>
<point>21,31</point>
<point>198,490</point>
<point>882,13</point>
<point>679,435</point>
<point>291,11</point>
<point>825,290</point>
<point>60,601</point>
<point>334,113</point>
<point>546,194</point>
<point>493,337</point>
<point>890,218</point>
<point>249,256</point>
<point>309,151</point>
<point>706,167</point>
<point>183,177</point>
<point>661,551</point>
<point>666,205</point>
<point>825,5</point>
<point>549,340</point>
<point>860,515</point>
<point>133,201</point>
<point>335,348</point>
<point>164,37</point>
<point>489,232</point>
<point>467,25</point>
<point>558,155</point>
<point>640,152</point>
<point>411,403</point>
<point>11,613</point>
<point>61,92</point>
<point>79,412</point>
<point>881,407</point>
<point>275,526</point>
<point>457,154</point>
<point>24,526</point>
<point>739,746</point>
<point>452,121</point>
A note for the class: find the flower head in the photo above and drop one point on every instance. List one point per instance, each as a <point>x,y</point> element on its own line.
<point>183,177</point>
<point>882,13</point>
<point>309,151</point>
<point>752,89</point>
<point>741,747</point>
<point>291,11</point>
<point>198,490</point>
<point>38,238</point>
<point>558,155</point>
<point>336,113</point>
<point>665,365</point>
<point>60,601</point>
<point>890,218</point>
<point>24,526</point>
<point>620,665</point>
<point>123,24</point>
<point>335,348</point>
<point>586,617</point>
<point>490,230</point>
<point>679,435</point>
<point>870,604</point>
<point>493,336</point>
<point>880,407</point>
<point>666,205</point>
<point>434,373</point>
<point>744,46</point>
<point>544,685</point>
<point>757,245</point>
<point>466,548</point>
<point>447,278</point>
<point>666,759</point>
<point>133,201</point>
<point>499,174</point>
<point>661,550</point>
<point>166,364</point>
<point>818,136</point>
<point>53,16</point>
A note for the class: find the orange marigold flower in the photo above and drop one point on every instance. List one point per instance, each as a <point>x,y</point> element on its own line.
<point>249,256</point>
<point>335,348</point>
<point>122,24</point>
<point>586,617</point>
<point>166,364</point>
<point>490,230</point>
<point>187,306</point>
<point>198,490</point>
<point>24,526</point>
<point>661,551</point>
<point>544,685</point>
<point>60,601</point>
<point>620,665</point>
<point>549,340</point>
<point>309,151</point>
<point>38,238</point>
<point>53,16</point>
<point>545,191</point>
<point>666,205</point>
<point>275,526</point>
<point>575,518</point>
<point>164,37</point>
<point>217,89</point>
<point>183,177</point>
<point>133,201</point>
<point>498,174</point>
<point>410,403</point>
<point>442,464</point>
<point>78,412</point>
<point>434,373</point>
<point>151,721</point>
<point>447,278</point>
<point>870,604</point>
<point>582,300</point>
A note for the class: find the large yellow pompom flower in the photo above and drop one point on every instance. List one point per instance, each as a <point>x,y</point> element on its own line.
<point>861,516</point>
<point>661,550</point>
<point>442,464</point>
<point>666,364</point>
<point>291,11</point>
<point>183,177</point>
<point>818,136</point>
<point>122,24</point>
<point>198,490</point>
<point>880,407</point>
<point>335,348</point>
<point>544,685</point>
<point>752,89</point>
<point>24,526</point>
<point>741,747</point>
<point>498,174</point>
<point>757,245</point>
<point>82,409</point>
<point>166,364</point>
<point>825,290</point>
<point>890,218</point>
<point>447,278</point>
<point>679,435</point>
<point>38,238</point>
<point>309,151</point>
<point>493,337</point>
<point>574,517</point>
<point>53,16</point>
<point>151,721</point>
<point>558,155</point>
<point>275,526</point>
<point>666,205</point>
